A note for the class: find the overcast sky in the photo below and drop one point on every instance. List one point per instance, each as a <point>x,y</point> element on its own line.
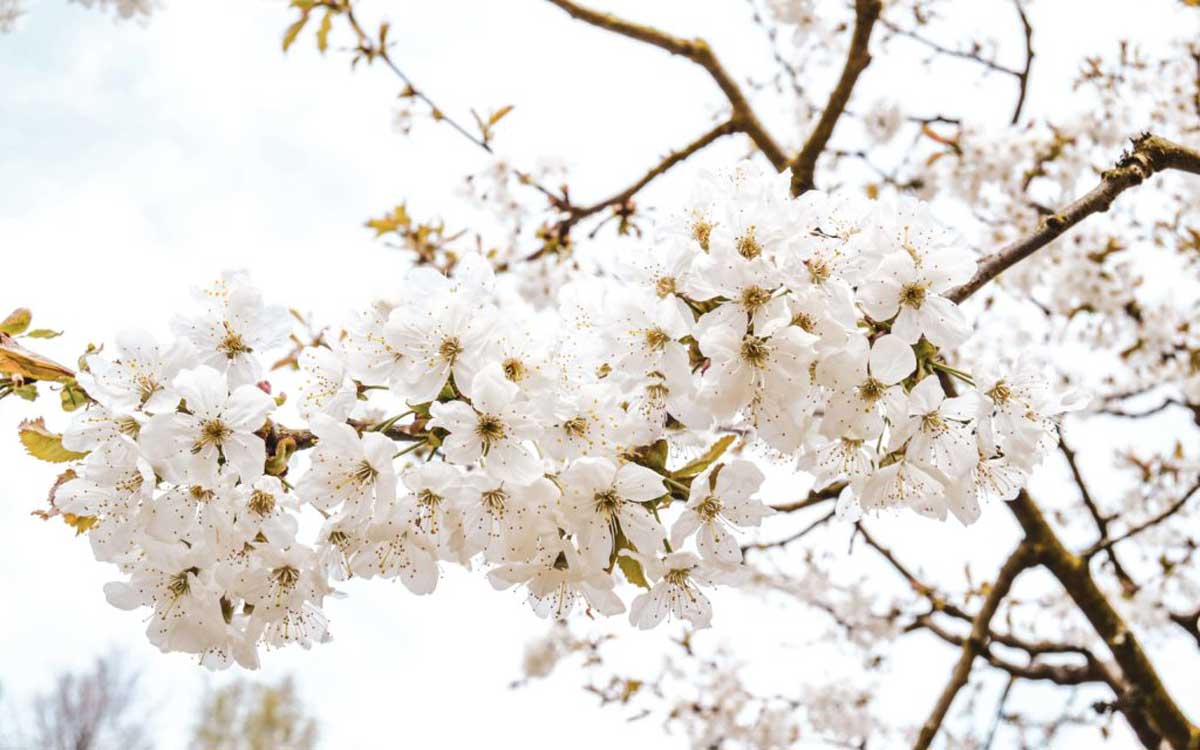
<point>138,160</point>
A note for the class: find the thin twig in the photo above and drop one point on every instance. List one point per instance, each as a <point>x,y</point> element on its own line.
<point>973,54</point>
<point>793,538</point>
<point>1172,509</point>
<point>1127,583</point>
<point>1023,76</point>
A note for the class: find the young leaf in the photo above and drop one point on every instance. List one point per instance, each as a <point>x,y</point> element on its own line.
<point>80,523</point>
<point>697,467</point>
<point>323,31</point>
<point>499,114</point>
<point>633,571</point>
<point>16,322</point>
<point>73,396</point>
<point>655,456</point>
<point>392,222</point>
<point>43,333</point>
<point>43,444</point>
<point>294,30</point>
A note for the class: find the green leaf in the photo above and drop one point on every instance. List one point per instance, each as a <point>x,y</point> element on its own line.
<point>323,31</point>
<point>73,396</point>
<point>43,444</point>
<point>294,30</point>
<point>633,571</point>
<point>16,322</point>
<point>43,333</point>
<point>699,465</point>
<point>656,456</point>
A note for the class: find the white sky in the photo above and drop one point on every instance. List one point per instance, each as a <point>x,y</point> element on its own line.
<point>137,161</point>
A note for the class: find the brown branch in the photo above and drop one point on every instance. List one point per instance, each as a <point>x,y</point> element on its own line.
<point>698,51</point>
<point>1023,76</point>
<point>1107,544</point>
<point>1150,154</point>
<point>921,587</point>
<point>1148,693</point>
<point>305,439</point>
<point>1127,583</point>
<point>1093,670</point>
<point>972,55</point>
<point>1167,404</point>
<point>578,213</point>
<point>793,538</point>
<point>369,48</point>
<point>815,497</point>
<point>1019,560</point>
<point>866,13</point>
<point>1060,674</point>
<point>1190,622</point>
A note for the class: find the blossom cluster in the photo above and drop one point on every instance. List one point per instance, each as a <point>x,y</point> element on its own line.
<point>456,424</point>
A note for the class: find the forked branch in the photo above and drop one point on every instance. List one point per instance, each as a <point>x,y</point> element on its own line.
<point>976,642</point>
<point>698,51</point>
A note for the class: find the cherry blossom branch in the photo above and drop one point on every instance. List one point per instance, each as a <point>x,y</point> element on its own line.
<point>866,13</point>
<point>698,51</point>
<point>305,439</point>
<point>1150,154</point>
<point>1107,544</point>
<point>1019,560</point>
<point>1072,572</point>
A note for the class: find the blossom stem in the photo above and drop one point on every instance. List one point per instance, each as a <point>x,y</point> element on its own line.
<point>410,448</point>
<point>963,376</point>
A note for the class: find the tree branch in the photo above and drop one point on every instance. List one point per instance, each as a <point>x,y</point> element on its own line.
<point>866,13</point>
<point>1023,76</point>
<point>1107,544</point>
<point>815,497</point>
<point>973,55</point>
<point>1150,154</point>
<point>369,47</point>
<point>698,51</point>
<point>1072,572</point>
<point>1019,560</point>
<point>1127,583</point>
<point>789,539</point>
<point>578,213</point>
